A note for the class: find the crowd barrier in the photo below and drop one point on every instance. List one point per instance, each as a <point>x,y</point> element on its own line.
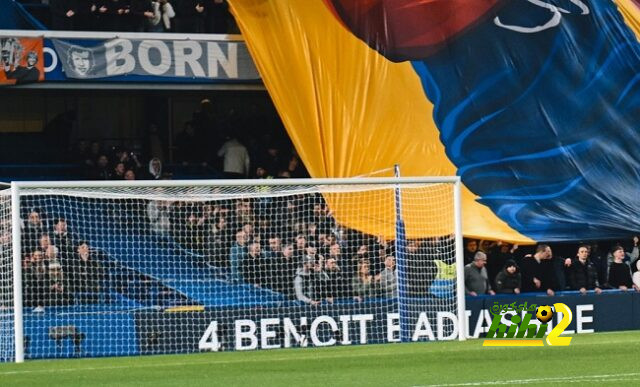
<point>101,331</point>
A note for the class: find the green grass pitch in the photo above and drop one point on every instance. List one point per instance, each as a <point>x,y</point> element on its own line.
<point>592,359</point>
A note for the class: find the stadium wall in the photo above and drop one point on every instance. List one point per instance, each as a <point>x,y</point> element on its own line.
<point>93,333</point>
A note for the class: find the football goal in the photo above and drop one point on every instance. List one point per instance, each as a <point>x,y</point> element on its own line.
<point>116,268</point>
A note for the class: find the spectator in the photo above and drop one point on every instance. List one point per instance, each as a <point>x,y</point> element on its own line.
<point>129,159</point>
<point>63,14</point>
<point>62,239</point>
<point>154,146</point>
<point>154,171</point>
<point>44,242</point>
<point>300,247</point>
<point>193,232</point>
<point>58,290</point>
<point>295,168</point>
<point>32,231</point>
<point>159,215</point>
<point>101,169</point>
<point>254,266</point>
<point>219,241</point>
<point>141,14</point>
<point>583,275</point>
<point>509,280</point>
<point>635,248</point>
<point>85,18</point>
<point>363,281</point>
<point>51,255</point>
<point>87,275</point>
<point>36,279</point>
<point>336,284</point>
<point>599,260</point>
<point>270,159</point>
<point>237,252</point>
<point>95,151</point>
<point>389,278</point>
<point>420,269</point>
<point>118,171</point>
<point>352,265</point>
<point>206,127</point>
<point>191,16</point>
<point>217,17</point>
<point>561,268</point>
<point>236,159</point>
<point>113,15</point>
<point>536,273</point>
<point>187,145</point>
<point>275,249</point>
<point>311,252</point>
<point>320,277</point>
<point>129,175</point>
<point>470,249</point>
<point>154,24</point>
<point>304,283</point>
<point>168,14</point>
<point>476,279</point>
<point>635,277</point>
<point>619,272</point>
<point>497,259</point>
<point>285,271</point>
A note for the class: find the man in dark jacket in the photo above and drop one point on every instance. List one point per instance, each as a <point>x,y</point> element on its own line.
<point>509,279</point>
<point>191,15</point>
<point>583,275</point>
<point>253,266</point>
<point>336,284</point>
<point>285,266</point>
<point>141,12</point>
<point>537,271</point>
<point>87,274</point>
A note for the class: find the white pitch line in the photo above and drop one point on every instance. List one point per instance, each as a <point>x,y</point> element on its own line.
<point>566,379</point>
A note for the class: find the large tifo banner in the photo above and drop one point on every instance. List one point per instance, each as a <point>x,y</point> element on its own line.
<point>116,333</point>
<point>534,104</point>
<point>21,60</point>
<point>222,60</point>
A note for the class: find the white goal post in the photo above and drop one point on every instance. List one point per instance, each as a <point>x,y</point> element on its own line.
<point>112,268</point>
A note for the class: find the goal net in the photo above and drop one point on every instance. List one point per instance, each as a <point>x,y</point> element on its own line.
<point>7,334</point>
<point>110,268</point>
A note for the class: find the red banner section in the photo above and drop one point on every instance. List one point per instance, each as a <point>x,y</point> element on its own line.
<point>21,60</point>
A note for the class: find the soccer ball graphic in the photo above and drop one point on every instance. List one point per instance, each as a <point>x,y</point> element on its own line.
<point>544,313</point>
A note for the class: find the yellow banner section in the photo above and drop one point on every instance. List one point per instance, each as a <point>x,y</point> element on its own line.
<point>631,14</point>
<point>349,111</point>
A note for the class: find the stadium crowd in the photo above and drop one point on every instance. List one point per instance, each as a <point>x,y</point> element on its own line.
<point>184,16</point>
<point>226,146</point>
<point>495,267</point>
<point>293,245</point>
<point>58,268</point>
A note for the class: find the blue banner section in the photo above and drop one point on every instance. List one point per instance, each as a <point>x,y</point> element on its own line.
<point>99,331</point>
<point>537,105</point>
<point>149,61</point>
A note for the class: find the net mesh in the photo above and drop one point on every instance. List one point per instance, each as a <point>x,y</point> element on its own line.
<point>146,270</point>
<point>6,279</point>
